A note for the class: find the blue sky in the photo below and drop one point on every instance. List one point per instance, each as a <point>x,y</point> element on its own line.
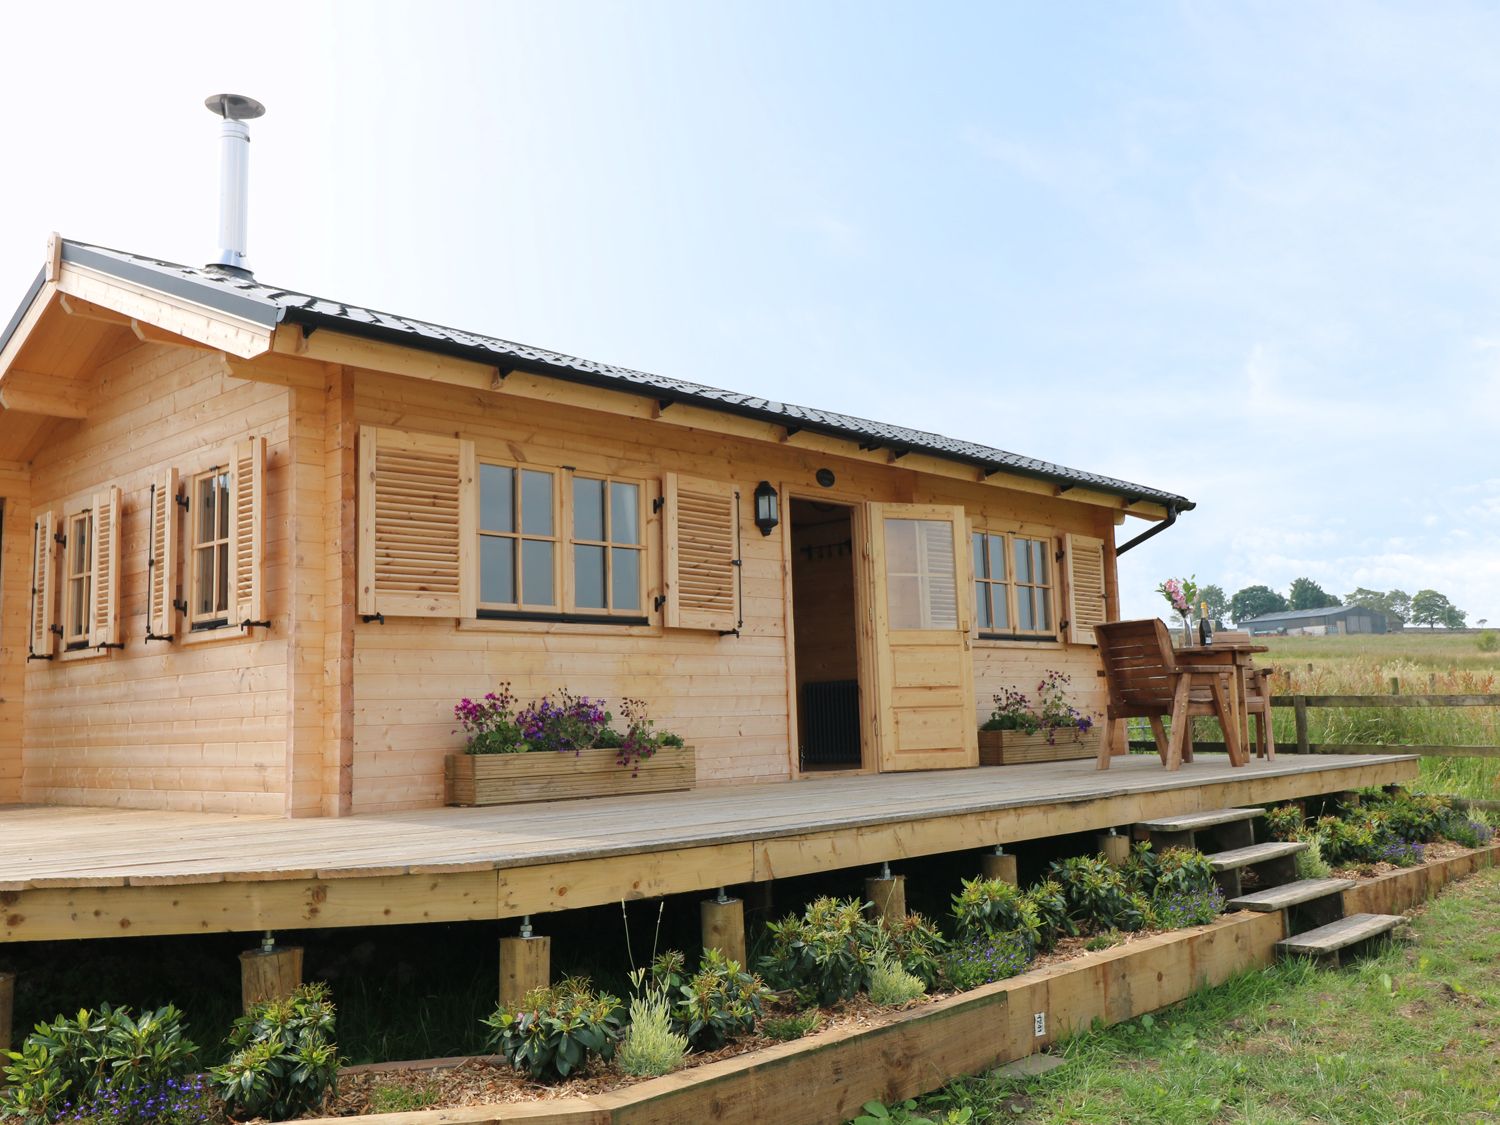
<point>1243,252</point>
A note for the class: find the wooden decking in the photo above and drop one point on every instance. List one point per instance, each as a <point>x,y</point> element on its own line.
<point>86,872</point>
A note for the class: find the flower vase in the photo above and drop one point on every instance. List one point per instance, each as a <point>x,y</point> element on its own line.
<point>1187,631</point>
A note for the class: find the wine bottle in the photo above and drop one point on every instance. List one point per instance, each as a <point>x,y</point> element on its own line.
<point>1205,627</point>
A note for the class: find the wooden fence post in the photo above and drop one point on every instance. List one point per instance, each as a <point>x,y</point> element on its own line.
<point>272,972</point>
<point>887,895</point>
<point>999,865</point>
<point>1300,704</point>
<point>525,965</point>
<point>723,922</point>
<point>1395,685</point>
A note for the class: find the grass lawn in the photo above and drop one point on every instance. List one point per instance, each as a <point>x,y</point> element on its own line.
<point>1411,1035</point>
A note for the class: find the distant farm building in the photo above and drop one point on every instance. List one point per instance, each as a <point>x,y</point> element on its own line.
<point>1335,620</point>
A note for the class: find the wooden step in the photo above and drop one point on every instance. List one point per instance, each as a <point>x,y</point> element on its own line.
<point>1338,935</point>
<point>1196,822</point>
<point>1289,894</point>
<point>1255,853</point>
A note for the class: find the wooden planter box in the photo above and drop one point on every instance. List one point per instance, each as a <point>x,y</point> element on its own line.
<point>545,775</point>
<point>1012,747</point>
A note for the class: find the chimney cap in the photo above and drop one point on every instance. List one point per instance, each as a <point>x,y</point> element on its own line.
<point>234,107</point>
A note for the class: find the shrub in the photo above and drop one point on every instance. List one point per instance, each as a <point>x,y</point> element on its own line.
<point>650,1046</point>
<point>556,1031</point>
<point>1403,853</point>
<point>826,955</point>
<point>918,947</point>
<point>105,1057</point>
<point>1049,906</point>
<point>891,985</point>
<point>985,958</point>
<point>793,1026</point>
<point>1310,863</point>
<point>718,1003</point>
<point>1184,870</point>
<point>1174,908</point>
<point>1489,641</point>
<point>1142,868</point>
<point>992,906</point>
<point>283,1059</point>
<point>1284,822</point>
<point>1346,842</point>
<point>1098,896</point>
<point>1468,833</point>
<point>1408,816</point>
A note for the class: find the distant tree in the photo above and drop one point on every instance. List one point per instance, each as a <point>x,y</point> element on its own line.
<point>1430,608</point>
<point>1218,604</point>
<point>1396,605</point>
<point>1307,594</point>
<point>1255,601</point>
<point>1482,622</point>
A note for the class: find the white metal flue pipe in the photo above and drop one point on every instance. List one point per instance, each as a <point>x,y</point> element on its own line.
<point>234,193</point>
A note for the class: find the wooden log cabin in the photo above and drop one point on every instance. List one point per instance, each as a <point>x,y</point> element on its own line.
<point>256,544</point>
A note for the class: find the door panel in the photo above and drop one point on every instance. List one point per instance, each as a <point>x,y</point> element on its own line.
<point>920,579</point>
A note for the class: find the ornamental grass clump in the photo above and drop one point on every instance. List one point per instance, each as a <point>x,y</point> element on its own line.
<point>891,985</point>
<point>557,1031</point>
<point>284,1061</point>
<point>650,1046</point>
<point>104,1065</point>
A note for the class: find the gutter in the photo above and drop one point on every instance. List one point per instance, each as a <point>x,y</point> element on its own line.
<point>1156,529</point>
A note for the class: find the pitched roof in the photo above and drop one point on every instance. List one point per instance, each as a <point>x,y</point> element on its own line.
<point>270,305</point>
<point>1301,614</point>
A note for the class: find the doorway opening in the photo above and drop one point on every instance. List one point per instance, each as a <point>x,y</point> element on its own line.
<point>825,640</point>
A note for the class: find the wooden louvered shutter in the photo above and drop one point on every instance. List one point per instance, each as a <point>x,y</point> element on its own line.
<point>1083,558</point>
<point>418,524</point>
<point>247,530</point>
<point>104,578</point>
<point>702,587</point>
<point>161,559</point>
<point>42,567</point>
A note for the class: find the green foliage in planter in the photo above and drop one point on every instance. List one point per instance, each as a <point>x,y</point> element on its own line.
<point>1310,863</point>
<point>284,1059</point>
<point>651,1047</point>
<point>1143,867</point>
<point>794,1026</point>
<point>1050,907</point>
<point>826,955</point>
<point>918,947</point>
<point>992,906</point>
<point>557,1030</point>
<point>1098,895</point>
<point>718,1003</point>
<point>1181,870</point>
<point>1284,822</point>
<point>1346,842</point>
<point>106,1057</point>
<point>891,985</point>
<point>986,957</point>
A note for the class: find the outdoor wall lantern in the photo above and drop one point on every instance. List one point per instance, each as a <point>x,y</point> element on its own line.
<point>767,507</point>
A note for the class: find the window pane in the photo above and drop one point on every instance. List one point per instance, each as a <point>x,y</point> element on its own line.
<point>982,603</point>
<point>588,577</point>
<point>536,504</point>
<point>497,570</point>
<point>1043,608</point>
<point>997,556</point>
<point>536,568</point>
<point>588,513</point>
<point>497,500</point>
<point>204,502</point>
<point>901,546</point>
<point>981,565</point>
<point>221,503</point>
<point>78,590</point>
<point>904,595</point>
<point>921,574</point>
<point>1023,559</point>
<point>999,605</point>
<point>221,557</point>
<point>624,513</point>
<point>625,578</point>
<point>1023,609</point>
<point>1039,562</point>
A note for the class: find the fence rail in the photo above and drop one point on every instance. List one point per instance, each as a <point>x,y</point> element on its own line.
<point>1301,704</point>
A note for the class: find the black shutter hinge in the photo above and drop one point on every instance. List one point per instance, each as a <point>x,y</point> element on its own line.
<point>244,625</point>
<point>658,504</point>
<point>181,501</point>
<point>38,656</point>
<point>369,617</point>
<point>104,645</point>
<point>150,636</point>
<point>180,605</point>
<point>661,600</point>
<point>55,630</point>
<point>60,539</point>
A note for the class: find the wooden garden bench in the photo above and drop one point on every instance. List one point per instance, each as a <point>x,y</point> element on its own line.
<point>1146,681</point>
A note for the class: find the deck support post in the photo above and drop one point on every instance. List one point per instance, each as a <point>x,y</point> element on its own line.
<point>998,865</point>
<point>888,894</point>
<point>525,964</point>
<point>270,972</point>
<point>7,1008</point>
<point>723,920</point>
<point>1116,848</point>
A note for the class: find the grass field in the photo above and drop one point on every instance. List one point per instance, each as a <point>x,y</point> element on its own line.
<point>1410,1035</point>
<point>1423,663</point>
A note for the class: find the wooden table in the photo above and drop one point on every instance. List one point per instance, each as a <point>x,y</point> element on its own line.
<point>1235,655</point>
